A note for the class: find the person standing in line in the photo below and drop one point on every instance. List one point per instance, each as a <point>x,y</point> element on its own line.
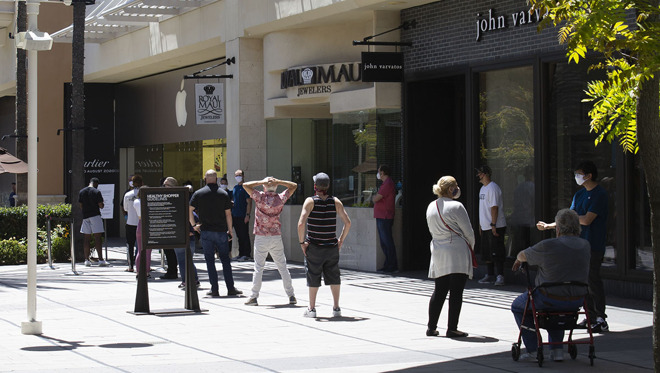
<point>91,203</point>
<point>12,195</point>
<point>384,214</point>
<point>240,213</point>
<point>451,254</point>
<point>267,232</point>
<point>493,227</point>
<point>132,219</point>
<point>591,205</point>
<point>214,211</point>
<point>171,182</point>
<point>320,246</point>
<point>146,254</point>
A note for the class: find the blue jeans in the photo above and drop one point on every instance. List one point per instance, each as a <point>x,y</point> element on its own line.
<point>384,227</point>
<point>181,259</point>
<point>541,302</point>
<point>210,242</point>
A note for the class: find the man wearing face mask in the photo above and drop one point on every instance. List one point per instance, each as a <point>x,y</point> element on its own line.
<point>493,227</point>
<point>240,213</point>
<point>132,218</point>
<point>384,214</point>
<point>267,232</point>
<point>590,203</point>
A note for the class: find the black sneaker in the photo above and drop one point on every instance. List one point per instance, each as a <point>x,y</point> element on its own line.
<point>234,292</point>
<point>600,326</point>
<point>213,294</point>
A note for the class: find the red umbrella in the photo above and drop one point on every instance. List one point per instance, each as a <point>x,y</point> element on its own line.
<point>9,163</point>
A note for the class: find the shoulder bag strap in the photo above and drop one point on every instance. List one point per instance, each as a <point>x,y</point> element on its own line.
<point>474,258</point>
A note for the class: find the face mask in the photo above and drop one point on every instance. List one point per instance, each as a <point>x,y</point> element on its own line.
<point>456,193</point>
<point>579,179</point>
<point>319,191</point>
<point>239,179</point>
<point>378,175</point>
<point>130,183</point>
<point>223,186</point>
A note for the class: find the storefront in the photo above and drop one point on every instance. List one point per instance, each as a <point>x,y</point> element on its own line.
<point>484,87</point>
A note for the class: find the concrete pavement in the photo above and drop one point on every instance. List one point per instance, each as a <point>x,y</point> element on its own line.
<point>87,326</point>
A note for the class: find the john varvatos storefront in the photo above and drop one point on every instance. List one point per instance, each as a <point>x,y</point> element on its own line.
<point>483,86</point>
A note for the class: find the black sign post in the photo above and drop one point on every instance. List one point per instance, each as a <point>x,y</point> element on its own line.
<point>164,220</point>
<point>382,67</point>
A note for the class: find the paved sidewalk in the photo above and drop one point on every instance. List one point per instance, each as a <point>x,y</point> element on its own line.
<point>87,327</point>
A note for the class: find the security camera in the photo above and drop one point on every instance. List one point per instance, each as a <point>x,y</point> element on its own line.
<point>34,40</point>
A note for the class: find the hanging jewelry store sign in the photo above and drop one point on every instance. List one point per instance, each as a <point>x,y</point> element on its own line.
<point>210,103</point>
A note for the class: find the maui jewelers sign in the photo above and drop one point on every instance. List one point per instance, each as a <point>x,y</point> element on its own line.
<point>319,81</point>
<point>210,103</point>
<point>492,21</point>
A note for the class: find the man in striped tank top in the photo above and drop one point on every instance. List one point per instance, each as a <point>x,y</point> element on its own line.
<point>321,245</point>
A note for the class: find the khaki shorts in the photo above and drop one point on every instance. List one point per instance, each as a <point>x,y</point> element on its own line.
<point>92,225</point>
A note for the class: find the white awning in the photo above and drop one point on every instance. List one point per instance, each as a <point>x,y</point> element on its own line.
<point>109,19</point>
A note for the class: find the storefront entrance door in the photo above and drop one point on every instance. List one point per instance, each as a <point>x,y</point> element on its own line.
<point>434,146</point>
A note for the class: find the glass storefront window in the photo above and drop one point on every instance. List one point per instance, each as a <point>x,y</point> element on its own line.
<point>362,141</point>
<point>507,146</point>
<point>570,142</point>
<point>185,161</point>
<point>297,149</point>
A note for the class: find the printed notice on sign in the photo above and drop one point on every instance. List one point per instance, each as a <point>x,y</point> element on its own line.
<point>164,217</point>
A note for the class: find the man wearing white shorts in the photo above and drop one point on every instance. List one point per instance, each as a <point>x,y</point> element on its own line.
<point>267,232</point>
<point>91,203</point>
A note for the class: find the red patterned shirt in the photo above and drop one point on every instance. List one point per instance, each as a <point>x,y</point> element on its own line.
<point>269,206</point>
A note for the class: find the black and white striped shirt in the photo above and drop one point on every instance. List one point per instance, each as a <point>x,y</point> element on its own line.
<point>322,222</point>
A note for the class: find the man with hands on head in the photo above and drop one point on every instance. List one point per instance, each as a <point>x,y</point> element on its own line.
<point>267,232</point>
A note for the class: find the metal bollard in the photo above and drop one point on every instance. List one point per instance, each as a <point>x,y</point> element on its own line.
<point>50,244</point>
<point>73,251</point>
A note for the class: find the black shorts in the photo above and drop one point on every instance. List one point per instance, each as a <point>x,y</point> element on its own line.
<point>492,248</point>
<point>322,260</point>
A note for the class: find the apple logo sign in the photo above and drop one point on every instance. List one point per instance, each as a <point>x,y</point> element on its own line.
<point>180,106</point>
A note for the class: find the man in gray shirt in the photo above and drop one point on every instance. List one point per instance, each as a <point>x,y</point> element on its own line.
<point>565,258</point>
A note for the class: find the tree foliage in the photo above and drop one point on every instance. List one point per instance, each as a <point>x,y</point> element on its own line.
<point>621,32</point>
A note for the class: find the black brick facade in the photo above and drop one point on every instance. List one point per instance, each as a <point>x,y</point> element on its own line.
<point>446,34</point>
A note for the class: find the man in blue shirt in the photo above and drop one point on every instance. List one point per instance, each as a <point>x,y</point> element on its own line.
<point>240,214</point>
<point>590,203</point>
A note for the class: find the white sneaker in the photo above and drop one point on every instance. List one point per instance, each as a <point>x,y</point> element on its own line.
<point>499,281</point>
<point>252,302</point>
<point>528,357</point>
<point>557,354</point>
<point>336,312</point>
<point>88,263</point>
<point>487,279</point>
<point>103,263</point>
<point>310,313</point>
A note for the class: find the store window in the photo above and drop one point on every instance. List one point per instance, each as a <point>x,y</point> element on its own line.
<point>297,149</point>
<point>571,142</point>
<point>362,141</point>
<point>507,145</point>
<point>185,161</point>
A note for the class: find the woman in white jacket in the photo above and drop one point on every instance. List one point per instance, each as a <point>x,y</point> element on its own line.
<point>451,257</point>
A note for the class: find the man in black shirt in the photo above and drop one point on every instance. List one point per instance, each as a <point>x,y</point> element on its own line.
<point>91,203</point>
<point>213,208</point>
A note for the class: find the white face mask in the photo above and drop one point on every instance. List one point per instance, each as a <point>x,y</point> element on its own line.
<point>378,175</point>
<point>239,179</point>
<point>457,193</point>
<point>579,179</point>
<point>223,186</point>
<point>130,183</point>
